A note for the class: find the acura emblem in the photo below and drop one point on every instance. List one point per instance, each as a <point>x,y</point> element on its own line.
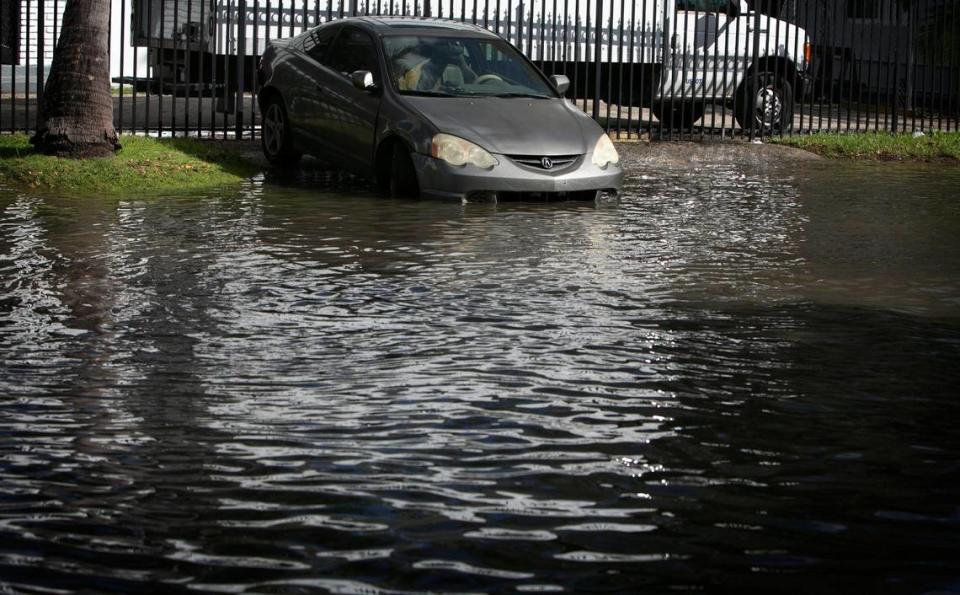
<point>547,163</point>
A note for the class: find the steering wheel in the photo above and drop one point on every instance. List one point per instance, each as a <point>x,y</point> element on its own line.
<point>486,78</point>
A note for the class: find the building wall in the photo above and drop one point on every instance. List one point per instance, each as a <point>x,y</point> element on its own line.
<point>30,26</point>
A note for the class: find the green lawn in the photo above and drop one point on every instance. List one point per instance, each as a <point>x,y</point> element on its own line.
<point>935,146</point>
<point>143,166</point>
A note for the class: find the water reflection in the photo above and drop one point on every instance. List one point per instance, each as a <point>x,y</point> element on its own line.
<point>728,376</point>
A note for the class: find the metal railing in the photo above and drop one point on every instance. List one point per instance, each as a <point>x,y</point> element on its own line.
<point>664,68</point>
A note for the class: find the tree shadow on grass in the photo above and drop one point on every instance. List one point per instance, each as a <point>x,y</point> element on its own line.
<point>15,151</point>
<point>231,159</point>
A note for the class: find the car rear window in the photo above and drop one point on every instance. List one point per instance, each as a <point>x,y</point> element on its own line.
<point>318,41</point>
<point>353,50</point>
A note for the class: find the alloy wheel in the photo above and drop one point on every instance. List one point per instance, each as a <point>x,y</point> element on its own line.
<point>273,129</point>
<point>769,107</point>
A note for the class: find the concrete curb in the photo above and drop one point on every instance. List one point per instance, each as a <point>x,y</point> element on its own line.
<point>680,154</point>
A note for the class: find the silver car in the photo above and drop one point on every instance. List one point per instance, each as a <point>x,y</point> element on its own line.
<point>432,108</point>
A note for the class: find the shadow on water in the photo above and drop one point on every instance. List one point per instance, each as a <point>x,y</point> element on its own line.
<point>732,379</point>
<point>124,379</point>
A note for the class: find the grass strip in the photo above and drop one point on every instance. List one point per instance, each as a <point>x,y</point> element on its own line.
<point>932,146</point>
<point>143,166</point>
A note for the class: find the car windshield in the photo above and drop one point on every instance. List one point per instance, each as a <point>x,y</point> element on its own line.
<point>461,67</point>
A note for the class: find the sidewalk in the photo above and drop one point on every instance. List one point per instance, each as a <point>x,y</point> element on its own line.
<point>199,117</point>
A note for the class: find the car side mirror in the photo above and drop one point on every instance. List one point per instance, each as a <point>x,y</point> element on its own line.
<point>561,83</point>
<point>363,80</point>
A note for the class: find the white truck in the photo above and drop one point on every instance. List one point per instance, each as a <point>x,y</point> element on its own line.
<point>676,56</point>
<point>680,56</point>
<point>718,51</point>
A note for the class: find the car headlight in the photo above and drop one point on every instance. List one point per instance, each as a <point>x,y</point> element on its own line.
<point>457,151</point>
<point>605,153</point>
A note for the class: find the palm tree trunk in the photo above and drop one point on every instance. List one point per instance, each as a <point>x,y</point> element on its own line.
<point>9,32</point>
<point>76,117</point>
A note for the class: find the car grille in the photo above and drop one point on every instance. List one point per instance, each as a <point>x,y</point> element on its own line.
<point>556,162</point>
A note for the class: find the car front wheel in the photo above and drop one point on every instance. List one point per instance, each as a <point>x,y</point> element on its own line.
<point>275,137</point>
<point>403,176</point>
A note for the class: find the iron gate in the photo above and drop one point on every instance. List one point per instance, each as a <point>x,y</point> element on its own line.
<point>667,68</point>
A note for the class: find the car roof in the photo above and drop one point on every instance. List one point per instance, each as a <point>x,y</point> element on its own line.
<point>416,25</point>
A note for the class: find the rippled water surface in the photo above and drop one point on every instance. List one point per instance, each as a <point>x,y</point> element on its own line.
<point>733,379</point>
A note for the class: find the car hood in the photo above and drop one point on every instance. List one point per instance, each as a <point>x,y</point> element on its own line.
<point>512,125</point>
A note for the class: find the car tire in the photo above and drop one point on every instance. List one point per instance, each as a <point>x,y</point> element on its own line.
<point>403,176</point>
<point>275,135</point>
<point>677,114</point>
<point>765,105</point>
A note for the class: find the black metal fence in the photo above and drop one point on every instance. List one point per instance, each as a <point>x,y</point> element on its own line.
<point>667,68</point>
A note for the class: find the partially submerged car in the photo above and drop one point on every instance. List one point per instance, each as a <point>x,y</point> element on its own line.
<point>430,107</point>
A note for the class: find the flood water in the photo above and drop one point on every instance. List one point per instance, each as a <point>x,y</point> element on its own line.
<point>730,380</point>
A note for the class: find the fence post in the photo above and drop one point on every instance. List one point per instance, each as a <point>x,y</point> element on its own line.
<point>40,70</point>
<point>755,75</point>
<point>896,73</point>
<point>911,71</point>
<point>597,60</point>
<point>520,25</point>
<point>241,56</point>
<point>668,12</point>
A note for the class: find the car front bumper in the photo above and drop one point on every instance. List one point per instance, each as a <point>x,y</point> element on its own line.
<point>439,179</point>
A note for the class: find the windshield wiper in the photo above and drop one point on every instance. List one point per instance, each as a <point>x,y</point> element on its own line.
<point>528,95</point>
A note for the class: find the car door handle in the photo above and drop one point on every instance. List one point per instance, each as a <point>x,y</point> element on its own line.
<point>320,90</point>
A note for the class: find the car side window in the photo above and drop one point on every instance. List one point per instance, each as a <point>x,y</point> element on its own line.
<point>354,50</point>
<point>318,42</point>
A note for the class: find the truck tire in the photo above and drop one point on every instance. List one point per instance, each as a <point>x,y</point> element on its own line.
<point>765,105</point>
<point>677,114</point>
<point>275,135</point>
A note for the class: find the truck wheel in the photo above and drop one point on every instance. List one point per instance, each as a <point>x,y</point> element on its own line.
<point>275,136</point>
<point>403,177</point>
<point>767,106</point>
<point>677,114</point>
